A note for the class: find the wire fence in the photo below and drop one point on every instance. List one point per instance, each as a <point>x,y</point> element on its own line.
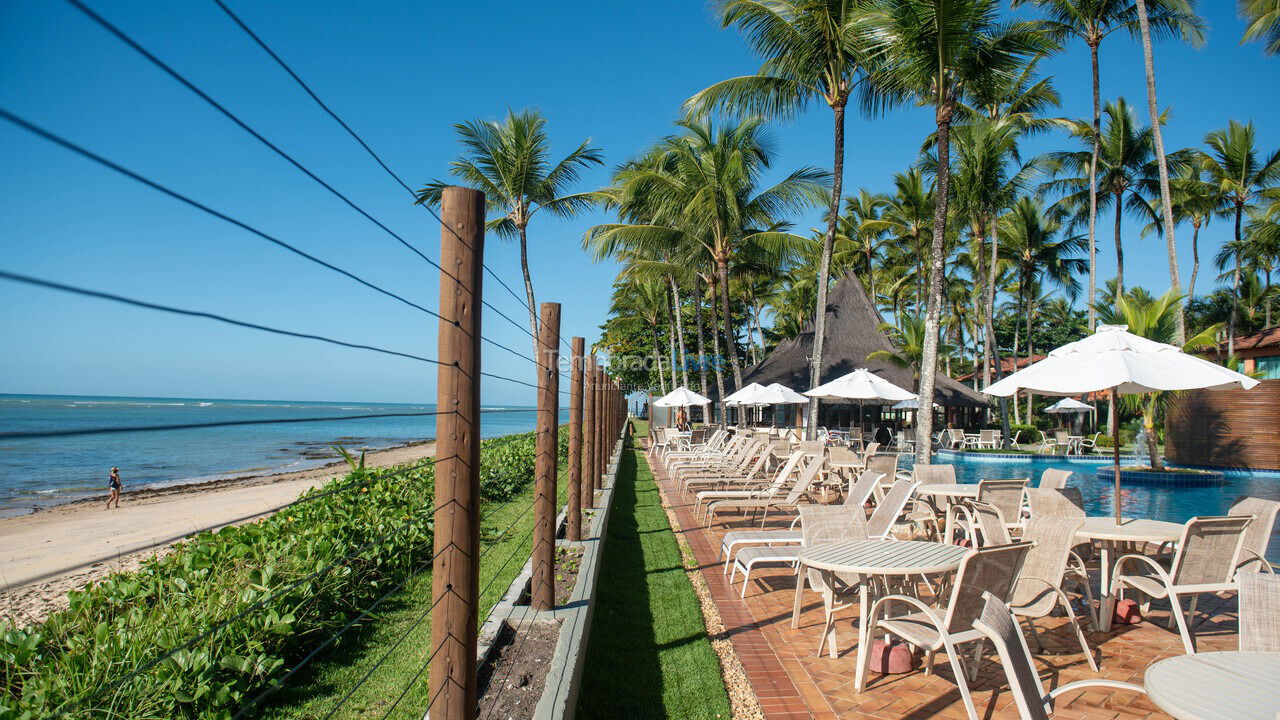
<point>515,546</point>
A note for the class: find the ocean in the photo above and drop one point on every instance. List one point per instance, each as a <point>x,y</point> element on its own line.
<point>39,472</point>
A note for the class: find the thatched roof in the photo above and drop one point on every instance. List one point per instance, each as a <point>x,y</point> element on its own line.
<point>852,333</point>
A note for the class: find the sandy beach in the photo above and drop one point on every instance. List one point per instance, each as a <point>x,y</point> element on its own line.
<point>45,554</point>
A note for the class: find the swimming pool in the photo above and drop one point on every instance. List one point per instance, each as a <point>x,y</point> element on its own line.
<point>1175,504</point>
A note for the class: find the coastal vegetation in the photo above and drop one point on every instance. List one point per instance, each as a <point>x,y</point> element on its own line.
<point>203,629</point>
<point>981,249</point>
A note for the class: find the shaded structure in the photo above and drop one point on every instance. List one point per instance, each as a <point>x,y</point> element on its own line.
<point>853,333</point>
<point>1225,427</point>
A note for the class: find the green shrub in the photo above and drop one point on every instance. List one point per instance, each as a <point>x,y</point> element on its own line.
<point>296,577</point>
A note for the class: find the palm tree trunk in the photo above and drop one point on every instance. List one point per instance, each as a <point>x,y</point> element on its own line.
<point>1017,419</point>
<point>1195,257</point>
<point>684,363</point>
<point>1162,163</point>
<point>989,325</point>
<point>1030,310</point>
<point>528,289</point>
<point>657,359</point>
<point>933,310</point>
<point>1235,288</point>
<point>1119,249</point>
<point>697,314</point>
<point>722,269</point>
<point>1092,298</point>
<point>824,265</point>
<point>671,344</point>
<point>719,359</point>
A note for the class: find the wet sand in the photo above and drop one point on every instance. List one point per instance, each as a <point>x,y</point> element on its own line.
<point>45,554</point>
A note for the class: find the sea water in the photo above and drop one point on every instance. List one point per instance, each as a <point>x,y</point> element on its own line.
<point>38,472</point>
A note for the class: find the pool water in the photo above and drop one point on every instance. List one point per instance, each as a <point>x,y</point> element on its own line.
<point>1174,504</point>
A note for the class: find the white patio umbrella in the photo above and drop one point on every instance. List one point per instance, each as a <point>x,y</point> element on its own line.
<point>860,385</point>
<point>779,394</point>
<point>1068,405</point>
<point>748,395</point>
<point>1117,360</point>
<point>681,397</point>
<point>912,404</point>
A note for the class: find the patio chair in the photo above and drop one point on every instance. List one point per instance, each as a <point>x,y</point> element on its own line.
<point>982,522</point>
<point>1040,586</point>
<point>1054,479</point>
<point>889,509</point>
<point>772,500</point>
<point>813,446</point>
<point>1066,502</point>
<point>997,624</point>
<point>857,497</point>
<point>926,474</point>
<point>1062,439</point>
<point>987,439</point>
<point>1259,612</point>
<point>984,571</point>
<point>1253,554</point>
<point>780,479</point>
<point>1205,562</point>
<point>1047,445</point>
<point>887,465</point>
<point>1006,494</point>
<point>1017,435</point>
<point>1089,444</point>
<point>825,523</point>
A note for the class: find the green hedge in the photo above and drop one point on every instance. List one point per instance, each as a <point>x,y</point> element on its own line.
<point>374,527</point>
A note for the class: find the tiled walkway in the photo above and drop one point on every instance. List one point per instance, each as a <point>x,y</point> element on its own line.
<point>792,682</point>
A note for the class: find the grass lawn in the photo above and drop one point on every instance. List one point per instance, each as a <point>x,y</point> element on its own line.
<point>401,631</point>
<point>648,656</point>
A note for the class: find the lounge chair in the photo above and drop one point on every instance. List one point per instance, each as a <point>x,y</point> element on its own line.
<point>827,523</point>
<point>1053,479</point>
<point>808,474</point>
<point>1205,562</point>
<point>780,479</point>
<point>758,469</point>
<point>858,496</point>
<point>997,624</point>
<point>985,571</point>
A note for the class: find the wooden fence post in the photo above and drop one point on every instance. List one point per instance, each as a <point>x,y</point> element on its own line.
<point>543,593</point>
<point>574,531</point>
<point>588,430</point>
<point>455,587</point>
<point>602,448</point>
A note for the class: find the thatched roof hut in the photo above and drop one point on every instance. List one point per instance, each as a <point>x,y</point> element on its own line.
<point>852,333</point>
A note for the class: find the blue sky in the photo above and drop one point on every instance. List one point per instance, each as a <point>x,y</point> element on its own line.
<point>400,73</point>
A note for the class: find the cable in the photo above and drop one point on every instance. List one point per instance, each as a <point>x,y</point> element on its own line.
<point>224,623</point>
<point>279,683</point>
<point>51,285</point>
<point>103,161</point>
<point>354,135</point>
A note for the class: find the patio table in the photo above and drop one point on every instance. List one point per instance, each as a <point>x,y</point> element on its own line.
<point>1111,536</point>
<point>1217,686</point>
<point>869,558</point>
<point>1073,444</point>
<point>951,492</point>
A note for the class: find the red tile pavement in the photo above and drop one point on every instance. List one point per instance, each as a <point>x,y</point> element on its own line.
<point>792,682</point>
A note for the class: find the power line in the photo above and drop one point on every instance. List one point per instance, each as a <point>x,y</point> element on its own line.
<point>354,135</point>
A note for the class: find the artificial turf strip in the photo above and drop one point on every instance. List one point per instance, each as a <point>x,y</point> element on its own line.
<point>648,655</point>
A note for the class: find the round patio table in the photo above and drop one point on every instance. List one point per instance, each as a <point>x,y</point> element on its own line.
<point>951,492</point>
<point>1111,536</point>
<point>869,558</point>
<point>1217,686</point>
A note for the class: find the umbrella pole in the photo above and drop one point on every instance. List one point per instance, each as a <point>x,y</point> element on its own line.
<point>1115,448</point>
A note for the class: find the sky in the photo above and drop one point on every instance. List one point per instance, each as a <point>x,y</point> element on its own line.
<point>401,74</point>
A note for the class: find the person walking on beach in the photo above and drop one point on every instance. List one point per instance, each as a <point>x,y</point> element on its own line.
<point>115,486</point>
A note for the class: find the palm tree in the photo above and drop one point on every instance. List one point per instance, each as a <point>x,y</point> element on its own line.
<point>1092,21</point>
<point>642,303</point>
<point>1264,23</point>
<point>1154,319</point>
<point>1195,201</point>
<point>1036,259</point>
<point>1127,173</point>
<point>1162,162</point>
<point>810,50</point>
<point>908,338</point>
<point>509,162</point>
<point>699,190</point>
<point>863,232</point>
<point>906,217</point>
<point>935,50</point>
<point>1235,166</point>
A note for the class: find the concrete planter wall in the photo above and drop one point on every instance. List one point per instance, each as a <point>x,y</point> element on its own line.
<point>564,676</point>
<point>1205,478</point>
